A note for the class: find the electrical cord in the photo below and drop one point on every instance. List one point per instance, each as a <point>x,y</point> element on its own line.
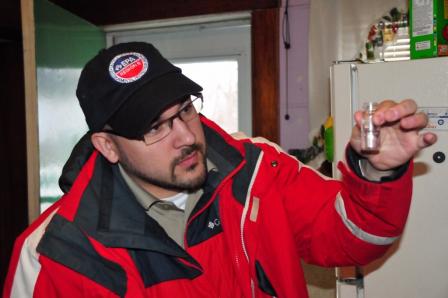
<point>286,36</point>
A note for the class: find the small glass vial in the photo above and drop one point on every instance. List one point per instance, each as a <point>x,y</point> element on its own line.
<point>370,133</point>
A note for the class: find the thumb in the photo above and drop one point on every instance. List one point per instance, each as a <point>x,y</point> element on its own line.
<point>426,139</point>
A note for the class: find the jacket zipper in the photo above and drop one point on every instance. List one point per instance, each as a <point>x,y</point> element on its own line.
<point>243,245</point>
<point>244,216</point>
<point>212,198</point>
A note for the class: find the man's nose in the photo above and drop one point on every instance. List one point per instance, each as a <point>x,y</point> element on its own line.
<point>182,133</point>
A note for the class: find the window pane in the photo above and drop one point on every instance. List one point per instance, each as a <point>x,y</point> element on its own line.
<point>219,79</point>
<point>61,125</point>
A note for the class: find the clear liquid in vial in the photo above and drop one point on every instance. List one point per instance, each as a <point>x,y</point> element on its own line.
<point>370,133</point>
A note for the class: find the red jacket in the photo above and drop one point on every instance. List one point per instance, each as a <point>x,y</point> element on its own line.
<point>258,217</point>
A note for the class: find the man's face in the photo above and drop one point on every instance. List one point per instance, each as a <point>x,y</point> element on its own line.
<point>175,163</point>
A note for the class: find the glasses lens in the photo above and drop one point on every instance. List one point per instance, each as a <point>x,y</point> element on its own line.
<point>197,102</point>
<point>188,111</point>
<point>158,132</point>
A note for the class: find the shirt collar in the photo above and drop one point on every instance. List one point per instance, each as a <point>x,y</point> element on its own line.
<point>143,197</point>
<point>146,199</point>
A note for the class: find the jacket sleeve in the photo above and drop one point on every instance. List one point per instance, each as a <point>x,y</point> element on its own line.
<point>56,280</point>
<point>351,221</point>
<point>32,274</point>
<point>24,267</point>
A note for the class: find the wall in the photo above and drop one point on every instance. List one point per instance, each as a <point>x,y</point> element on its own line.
<point>294,101</point>
<point>294,133</point>
<point>64,40</point>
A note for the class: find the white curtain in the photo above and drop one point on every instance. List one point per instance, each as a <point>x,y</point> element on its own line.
<point>338,30</point>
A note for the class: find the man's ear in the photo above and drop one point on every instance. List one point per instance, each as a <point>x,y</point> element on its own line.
<point>105,145</point>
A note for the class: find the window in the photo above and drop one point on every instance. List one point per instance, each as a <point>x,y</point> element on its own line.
<point>220,92</point>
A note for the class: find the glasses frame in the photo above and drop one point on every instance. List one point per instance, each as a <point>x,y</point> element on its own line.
<point>169,120</point>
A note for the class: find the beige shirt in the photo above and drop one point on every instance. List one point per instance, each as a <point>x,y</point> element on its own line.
<point>169,216</point>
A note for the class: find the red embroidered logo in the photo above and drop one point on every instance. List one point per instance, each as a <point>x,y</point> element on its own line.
<point>128,67</point>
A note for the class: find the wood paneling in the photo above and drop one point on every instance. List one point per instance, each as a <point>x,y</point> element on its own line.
<point>265,73</point>
<point>117,11</point>
<point>31,112</point>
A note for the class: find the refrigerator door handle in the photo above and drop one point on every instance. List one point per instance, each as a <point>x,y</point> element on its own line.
<point>357,281</point>
<point>354,81</point>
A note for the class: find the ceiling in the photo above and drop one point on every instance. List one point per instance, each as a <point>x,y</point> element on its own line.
<point>10,21</point>
<point>118,11</point>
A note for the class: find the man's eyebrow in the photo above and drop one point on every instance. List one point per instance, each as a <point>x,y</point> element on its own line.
<point>159,119</point>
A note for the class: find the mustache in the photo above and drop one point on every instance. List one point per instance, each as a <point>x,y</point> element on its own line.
<point>187,151</point>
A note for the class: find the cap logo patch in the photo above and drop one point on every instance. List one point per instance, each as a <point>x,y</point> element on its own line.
<point>128,67</point>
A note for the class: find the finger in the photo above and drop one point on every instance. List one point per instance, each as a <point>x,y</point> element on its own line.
<point>426,139</point>
<point>390,111</point>
<point>356,131</point>
<point>358,117</point>
<point>355,140</point>
<point>379,113</point>
<point>403,109</point>
<point>417,121</point>
<point>379,117</point>
<point>386,104</point>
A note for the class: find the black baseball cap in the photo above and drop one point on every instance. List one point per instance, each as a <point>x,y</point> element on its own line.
<point>127,86</point>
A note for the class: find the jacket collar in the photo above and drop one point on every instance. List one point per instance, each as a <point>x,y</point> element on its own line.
<point>110,213</point>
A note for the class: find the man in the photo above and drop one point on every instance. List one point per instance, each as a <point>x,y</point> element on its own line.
<point>160,202</point>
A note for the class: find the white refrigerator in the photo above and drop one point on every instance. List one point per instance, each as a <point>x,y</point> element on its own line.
<point>417,265</point>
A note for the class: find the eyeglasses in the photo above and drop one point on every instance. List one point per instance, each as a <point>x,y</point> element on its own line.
<point>188,111</point>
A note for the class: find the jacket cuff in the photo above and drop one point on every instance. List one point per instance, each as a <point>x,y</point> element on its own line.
<point>362,168</point>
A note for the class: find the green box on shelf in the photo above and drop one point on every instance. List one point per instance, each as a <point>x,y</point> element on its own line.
<point>428,28</point>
